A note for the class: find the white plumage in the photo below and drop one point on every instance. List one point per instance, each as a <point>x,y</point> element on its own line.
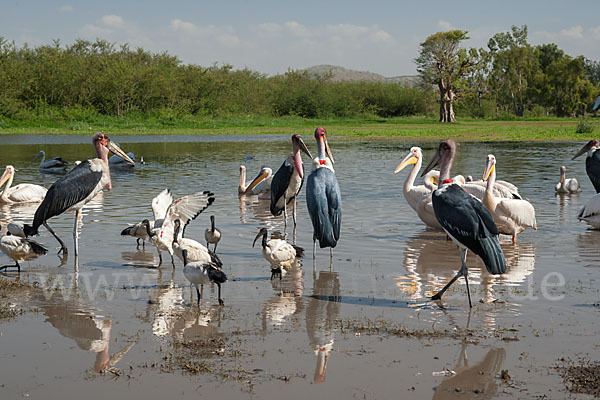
<point>201,273</point>
<point>512,216</point>
<point>212,234</point>
<point>566,185</point>
<point>279,253</point>
<point>22,193</point>
<point>18,248</point>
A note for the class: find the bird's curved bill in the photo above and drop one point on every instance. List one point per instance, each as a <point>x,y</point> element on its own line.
<point>583,150</point>
<point>5,177</point>
<point>408,160</point>
<point>113,148</point>
<point>303,147</point>
<point>328,150</point>
<point>257,236</point>
<point>259,178</point>
<point>489,168</point>
<point>433,163</point>
<point>37,156</point>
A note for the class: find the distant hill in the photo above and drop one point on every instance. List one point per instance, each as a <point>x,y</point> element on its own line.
<point>340,74</point>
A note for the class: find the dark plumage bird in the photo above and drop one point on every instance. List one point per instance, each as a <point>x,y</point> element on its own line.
<point>288,180</point>
<point>592,161</point>
<point>76,189</point>
<point>323,196</point>
<point>465,219</point>
<point>201,273</point>
<point>53,165</point>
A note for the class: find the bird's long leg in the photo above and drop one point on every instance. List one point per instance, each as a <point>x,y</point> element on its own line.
<point>172,261</point>
<point>221,302</point>
<point>4,267</point>
<point>215,249</point>
<point>330,259</point>
<point>465,271</point>
<point>138,242</point>
<point>75,231</point>
<point>284,214</point>
<point>201,290</point>
<point>159,257</point>
<point>63,248</point>
<point>462,272</point>
<point>198,295</point>
<point>294,214</point>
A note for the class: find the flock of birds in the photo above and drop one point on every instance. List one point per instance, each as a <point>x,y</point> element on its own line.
<point>472,212</point>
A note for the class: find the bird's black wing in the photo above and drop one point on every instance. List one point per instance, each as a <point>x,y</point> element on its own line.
<point>334,201</point>
<point>215,274</point>
<point>468,221</point>
<point>69,190</point>
<point>592,167</point>
<point>279,184</point>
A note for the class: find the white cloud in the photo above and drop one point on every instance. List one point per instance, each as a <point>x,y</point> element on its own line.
<point>113,21</point>
<point>445,25</point>
<point>224,35</point>
<point>65,9</point>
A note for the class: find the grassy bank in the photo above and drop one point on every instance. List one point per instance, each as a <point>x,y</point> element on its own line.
<point>413,127</point>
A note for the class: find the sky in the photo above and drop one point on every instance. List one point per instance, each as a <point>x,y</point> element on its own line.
<point>273,36</point>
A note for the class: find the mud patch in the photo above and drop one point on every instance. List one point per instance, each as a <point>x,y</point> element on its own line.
<point>582,376</point>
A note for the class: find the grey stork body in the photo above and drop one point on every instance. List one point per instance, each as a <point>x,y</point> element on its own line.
<point>53,165</point>
<point>76,189</point>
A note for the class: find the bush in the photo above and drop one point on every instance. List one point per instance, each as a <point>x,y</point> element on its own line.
<point>584,127</point>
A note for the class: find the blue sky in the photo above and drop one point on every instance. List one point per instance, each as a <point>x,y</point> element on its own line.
<point>271,36</point>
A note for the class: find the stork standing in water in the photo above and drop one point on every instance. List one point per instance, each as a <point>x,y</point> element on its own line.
<point>465,219</point>
<point>22,193</point>
<point>201,273</point>
<point>323,197</point>
<point>592,161</point>
<point>288,180</point>
<point>14,245</point>
<point>567,185</point>
<point>76,189</point>
<point>278,252</point>
<point>212,234</point>
<point>53,165</point>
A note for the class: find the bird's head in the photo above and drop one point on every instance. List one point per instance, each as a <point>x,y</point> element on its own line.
<point>412,158</point>
<point>591,145</point>
<point>264,173</point>
<point>104,145</point>
<point>38,155</point>
<point>297,146</point>
<point>262,233</point>
<point>8,173</point>
<point>324,150</point>
<point>490,165</point>
<point>445,151</point>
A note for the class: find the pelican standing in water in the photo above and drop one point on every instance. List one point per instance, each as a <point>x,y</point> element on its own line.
<point>201,273</point>
<point>53,165</point>
<point>259,185</point>
<point>74,190</point>
<point>288,180</point>
<point>465,219</point>
<point>592,161</point>
<point>212,234</point>
<point>279,253</point>
<point>19,249</point>
<point>22,193</point>
<point>323,197</point>
<point>512,216</point>
<point>567,185</point>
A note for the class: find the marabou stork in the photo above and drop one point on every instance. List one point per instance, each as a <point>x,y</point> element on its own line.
<point>590,212</point>
<point>182,210</point>
<point>323,197</point>
<point>512,216</point>
<point>259,185</point>
<point>465,219</point>
<point>201,273</point>
<point>19,248</point>
<point>76,189</point>
<point>212,234</point>
<point>288,180</point>
<point>592,161</point>
<point>567,185</point>
<point>278,252</point>
<point>22,193</point>
<point>53,165</point>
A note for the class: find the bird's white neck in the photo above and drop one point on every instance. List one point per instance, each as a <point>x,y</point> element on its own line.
<point>242,187</point>
<point>410,179</point>
<point>489,189</point>
<point>8,185</point>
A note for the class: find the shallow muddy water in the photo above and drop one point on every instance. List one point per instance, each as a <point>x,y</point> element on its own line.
<point>360,328</point>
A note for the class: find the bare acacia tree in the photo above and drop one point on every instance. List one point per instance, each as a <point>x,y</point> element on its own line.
<point>443,63</point>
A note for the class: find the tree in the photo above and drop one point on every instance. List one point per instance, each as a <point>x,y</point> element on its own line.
<point>443,63</point>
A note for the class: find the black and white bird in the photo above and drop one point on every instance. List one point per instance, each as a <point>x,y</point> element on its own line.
<point>138,231</point>
<point>76,189</point>
<point>592,161</point>
<point>53,165</point>
<point>196,252</point>
<point>465,219</point>
<point>20,249</point>
<point>201,273</point>
<point>323,197</point>
<point>212,234</point>
<point>278,252</point>
<point>288,180</point>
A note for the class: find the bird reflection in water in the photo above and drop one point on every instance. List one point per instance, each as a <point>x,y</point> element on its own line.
<point>477,381</point>
<point>321,313</point>
<point>288,300</point>
<point>587,245</point>
<point>253,210</point>
<point>138,258</point>
<point>428,254</point>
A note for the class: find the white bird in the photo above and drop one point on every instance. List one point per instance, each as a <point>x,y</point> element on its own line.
<point>212,234</point>
<point>590,213</point>
<point>77,188</point>
<point>184,209</point>
<point>565,185</point>
<point>53,165</point>
<point>259,186</point>
<point>279,253</point>
<point>19,249</point>
<point>419,197</point>
<point>512,216</point>
<point>200,273</point>
<point>23,192</point>
<point>196,252</point>
<point>139,231</point>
